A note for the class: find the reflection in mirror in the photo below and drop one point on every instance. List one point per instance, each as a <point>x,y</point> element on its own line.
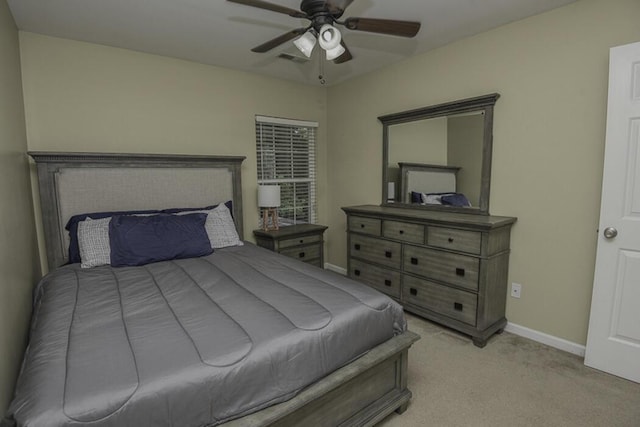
<point>439,157</point>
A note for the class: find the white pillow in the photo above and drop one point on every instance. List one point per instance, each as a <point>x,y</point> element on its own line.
<point>93,241</point>
<point>221,229</point>
<point>431,199</point>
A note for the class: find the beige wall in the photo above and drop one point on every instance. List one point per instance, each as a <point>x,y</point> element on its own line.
<point>87,97</point>
<point>423,141</point>
<point>551,71</point>
<point>18,254</point>
<point>466,137</point>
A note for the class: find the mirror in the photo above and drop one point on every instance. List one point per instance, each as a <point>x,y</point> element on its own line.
<point>439,157</point>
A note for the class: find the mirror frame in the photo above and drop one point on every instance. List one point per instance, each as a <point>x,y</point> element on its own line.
<point>481,103</point>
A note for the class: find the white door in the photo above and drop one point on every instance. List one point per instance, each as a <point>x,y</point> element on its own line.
<point>613,343</point>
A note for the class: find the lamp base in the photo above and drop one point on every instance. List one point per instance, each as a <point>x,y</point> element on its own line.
<point>270,213</point>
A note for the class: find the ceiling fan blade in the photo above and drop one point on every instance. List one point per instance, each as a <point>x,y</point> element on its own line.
<point>346,56</point>
<point>272,7</point>
<point>383,26</point>
<point>265,47</point>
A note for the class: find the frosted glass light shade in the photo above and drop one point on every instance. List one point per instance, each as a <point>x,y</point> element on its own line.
<point>335,52</point>
<point>305,43</point>
<point>268,196</point>
<point>329,37</point>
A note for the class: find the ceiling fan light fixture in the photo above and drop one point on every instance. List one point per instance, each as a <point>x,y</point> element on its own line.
<point>335,52</point>
<point>329,37</point>
<point>305,43</point>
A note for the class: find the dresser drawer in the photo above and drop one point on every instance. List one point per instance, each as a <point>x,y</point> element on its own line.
<point>454,303</point>
<point>459,270</point>
<point>385,281</point>
<point>413,233</point>
<point>457,240</point>
<point>295,241</point>
<point>365,225</point>
<point>303,253</point>
<point>377,251</point>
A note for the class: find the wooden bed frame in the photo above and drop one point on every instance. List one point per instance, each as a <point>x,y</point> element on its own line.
<point>359,394</point>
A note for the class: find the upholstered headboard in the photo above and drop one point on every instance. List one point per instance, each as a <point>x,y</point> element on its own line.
<point>425,178</point>
<point>75,183</point>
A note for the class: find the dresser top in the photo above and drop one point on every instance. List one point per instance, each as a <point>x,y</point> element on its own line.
<point>432,216</point>
<point>291,230</point>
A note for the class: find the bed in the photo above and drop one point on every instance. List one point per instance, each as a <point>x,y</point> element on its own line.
<point>427,184</point>
<point>238,337</point>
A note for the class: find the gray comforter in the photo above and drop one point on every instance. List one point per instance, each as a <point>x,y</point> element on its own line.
<point>192,342</point>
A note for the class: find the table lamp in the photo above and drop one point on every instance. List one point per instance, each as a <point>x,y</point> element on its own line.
<point>269,201</point>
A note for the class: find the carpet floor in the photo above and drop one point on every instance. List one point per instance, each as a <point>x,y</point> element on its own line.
<point>511,382</point>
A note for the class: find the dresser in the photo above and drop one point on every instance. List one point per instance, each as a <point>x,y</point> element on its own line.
<point>303,242</point>
<point>451,268</point>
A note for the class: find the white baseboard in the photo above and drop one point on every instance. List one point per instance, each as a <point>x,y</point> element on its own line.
<point>546,339</point>
<point>335,268</point>
<point>522,331</point>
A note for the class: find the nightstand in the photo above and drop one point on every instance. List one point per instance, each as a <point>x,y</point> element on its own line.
<point>303,242</point>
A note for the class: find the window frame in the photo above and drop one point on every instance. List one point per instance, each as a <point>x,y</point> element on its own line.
<point>299,169</point>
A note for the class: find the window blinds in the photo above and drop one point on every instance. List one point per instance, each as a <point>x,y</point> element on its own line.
<point>286,156</point>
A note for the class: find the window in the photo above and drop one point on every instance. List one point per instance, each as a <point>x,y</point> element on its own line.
<point>286,153</point>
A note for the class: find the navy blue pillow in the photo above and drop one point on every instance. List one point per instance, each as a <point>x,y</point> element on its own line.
<point>455,199</point>
<point>139,240</point>
<point>416,197</point>
<point>228,204</point>
<point>72,224</point>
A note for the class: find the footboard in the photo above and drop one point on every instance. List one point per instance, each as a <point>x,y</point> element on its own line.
<point>361,393</point>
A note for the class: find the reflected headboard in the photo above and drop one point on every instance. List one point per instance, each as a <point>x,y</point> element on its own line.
<point>424,178</point>
<point>75,183</point>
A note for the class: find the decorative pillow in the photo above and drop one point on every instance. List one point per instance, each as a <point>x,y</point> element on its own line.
<point>139,240</point>
<point>221,229</point>
<point>93,242</point>
<point>455,199</point>
<point>431,199</point>
<point>416,197</point>
<point>72,224</point>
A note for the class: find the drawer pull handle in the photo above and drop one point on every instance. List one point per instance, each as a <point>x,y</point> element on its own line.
<point>301,254</point>
<point>413,291</point>
<point>356,272</point>
<point>388,254</point>
<point>401,231</point>
<point>414,261</point>
<point>357,247</point>
<point>457,306</point>
<point>387,282</point>
<point>450,239</point>
<point>460,272</point>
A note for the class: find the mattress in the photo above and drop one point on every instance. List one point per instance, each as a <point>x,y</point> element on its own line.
<point>192,342</point>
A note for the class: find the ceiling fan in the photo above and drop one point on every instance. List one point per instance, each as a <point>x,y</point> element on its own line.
<point>323,14</point>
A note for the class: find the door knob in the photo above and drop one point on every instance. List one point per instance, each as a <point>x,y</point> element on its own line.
<point>610,232</point>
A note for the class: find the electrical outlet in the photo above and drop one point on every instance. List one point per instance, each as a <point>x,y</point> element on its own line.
<point>516,289</point>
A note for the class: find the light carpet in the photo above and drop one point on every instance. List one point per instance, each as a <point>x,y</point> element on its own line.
<point>511,382</point>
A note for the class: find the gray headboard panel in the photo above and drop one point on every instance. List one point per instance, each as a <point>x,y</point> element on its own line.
<point>75,183</point>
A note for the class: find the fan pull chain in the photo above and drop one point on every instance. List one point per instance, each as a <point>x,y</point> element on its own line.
<point>321,66</point>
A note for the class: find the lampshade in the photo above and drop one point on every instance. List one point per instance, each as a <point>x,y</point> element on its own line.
<point>329,37</point>
<point>268,196</point>
<point>335,52</point>
<point>305,43</point>
<point>391,190</point>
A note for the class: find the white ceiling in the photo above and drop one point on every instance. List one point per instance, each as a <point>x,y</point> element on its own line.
<point>220,33</point>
